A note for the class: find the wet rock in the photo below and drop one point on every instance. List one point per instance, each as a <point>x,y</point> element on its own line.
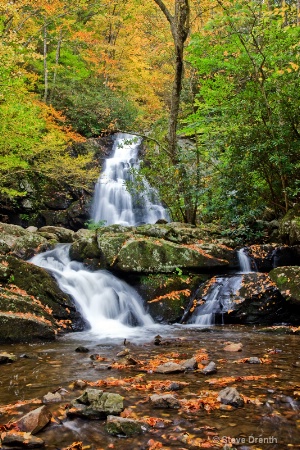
<point>164,401</point>
<point>81,349</point>
<point>120,426</point>
<point>254,360</point>
<point>123,353</point>
<point>289,229</point>
<point>287,280</point>
<point>96,404</point>
<point>35,420</point>
<point>169,367</point>
<point>63,235</point>
<point>233,347</point>
<point>210,368</point>
<point>157,340</point>
<point>230,396</point>
<point>31,304</point>
<point>261,302</point>
<point>7,358</point>
<point>52,398</point>
<point>190,364</point>
<point>21,440</point>
<point>80,384</point>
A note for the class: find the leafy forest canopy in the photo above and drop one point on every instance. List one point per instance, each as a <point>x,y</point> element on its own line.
<point>212,85</point>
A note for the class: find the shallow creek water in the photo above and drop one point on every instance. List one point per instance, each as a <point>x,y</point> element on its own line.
<point>273,423</point>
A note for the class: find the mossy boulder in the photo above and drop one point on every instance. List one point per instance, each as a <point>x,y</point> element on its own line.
<point>85,248</point>
<point>30,297</point>
<point>21,243</point>
<point>260,302</point>
<point>63,235</point>
<point>167,295</point>
<point>150,256</point>
<point>268,256</point>
<point>287,280</point>
<point>151,249</point>
<point>289,229</point>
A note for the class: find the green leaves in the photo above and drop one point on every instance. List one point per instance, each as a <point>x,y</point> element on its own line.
<point>247,110</point>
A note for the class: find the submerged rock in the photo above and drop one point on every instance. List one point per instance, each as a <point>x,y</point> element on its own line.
<point>233,347</point>
<point>230,396</point>
<point>164,401</point>
<point>19,439</point>
<point>6,358</point>
<point>120,426</point>
<point>210,368</point>
<point>170,367</point>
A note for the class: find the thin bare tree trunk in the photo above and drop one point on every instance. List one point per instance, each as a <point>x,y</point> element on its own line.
<point>57,56</point>
<point>179,24</point>
<point>45,64</point>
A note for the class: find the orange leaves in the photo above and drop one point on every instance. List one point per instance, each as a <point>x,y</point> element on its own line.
<point>227,380</point>
<point>153,445</point>
<point>75,446</point>
<point>174,295</point>
<point>207,400</point>
<point>138,383</point>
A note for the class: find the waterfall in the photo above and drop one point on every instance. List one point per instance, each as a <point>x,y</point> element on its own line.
<point>244,261</point>
<point>111,307</point>
<point>112,202</point>
<point>218,298</point>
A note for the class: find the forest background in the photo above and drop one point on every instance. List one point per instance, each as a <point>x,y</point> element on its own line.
<point>75,70</point>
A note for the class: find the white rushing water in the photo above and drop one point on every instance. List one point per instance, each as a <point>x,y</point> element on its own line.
<point>112,308</point>
<point>113,203</point>
<point>244,261</point>
<point>218,298</point>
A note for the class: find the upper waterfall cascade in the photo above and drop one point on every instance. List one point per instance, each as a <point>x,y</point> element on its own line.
<point>113,203</point>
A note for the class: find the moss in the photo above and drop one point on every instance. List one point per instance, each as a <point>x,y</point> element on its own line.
<point>287,279</point>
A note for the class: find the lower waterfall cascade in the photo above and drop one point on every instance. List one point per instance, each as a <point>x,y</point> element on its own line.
<point>110,306</point>
<point>218,298</point>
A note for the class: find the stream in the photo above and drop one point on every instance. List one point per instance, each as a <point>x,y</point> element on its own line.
<point>273,415</point>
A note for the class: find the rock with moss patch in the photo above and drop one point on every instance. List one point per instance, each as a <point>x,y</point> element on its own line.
<point>96,404</point>
<point>287,280</point>
<point>289,229</point>
<point>121,426</point>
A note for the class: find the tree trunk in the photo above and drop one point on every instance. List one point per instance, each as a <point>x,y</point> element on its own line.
<point>57,56</point>
<point>45,65</point>
<point>179,24</point>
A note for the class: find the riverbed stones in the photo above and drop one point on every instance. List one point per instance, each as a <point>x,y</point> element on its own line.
<point>52,397</point>
<point>35,420</point>
<point>209,369</point>
<point>96,404</point>
<point>190,364</point>
<point>14,439</point>
<point>121,426</point>
<point>164,401</point>
<point>233,347</point>
<point>254,360</point>
<point>6,358</point>
<point>169,367</point>
<point>230,396</point>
